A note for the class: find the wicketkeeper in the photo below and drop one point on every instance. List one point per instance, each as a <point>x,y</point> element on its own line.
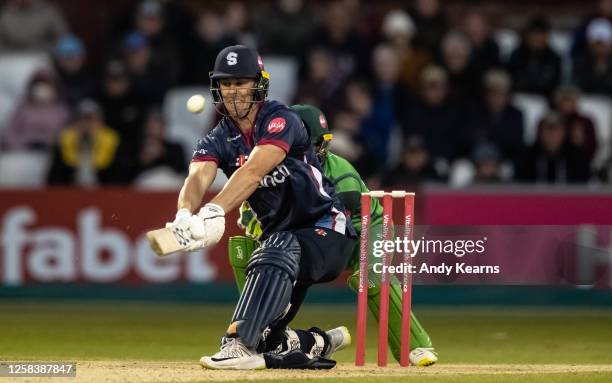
<point>349,187</point>
<point>264,148</point>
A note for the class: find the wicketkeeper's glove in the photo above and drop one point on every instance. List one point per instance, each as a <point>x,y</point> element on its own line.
<point>248,221</point>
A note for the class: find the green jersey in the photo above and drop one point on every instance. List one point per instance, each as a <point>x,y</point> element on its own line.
<point>349,187</point>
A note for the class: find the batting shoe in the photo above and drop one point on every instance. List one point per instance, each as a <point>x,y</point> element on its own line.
<point>423,356</point>
<point>233,356</point>
<point>339,338</point>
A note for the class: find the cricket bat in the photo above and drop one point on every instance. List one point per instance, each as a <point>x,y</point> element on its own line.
<point>168,240</point>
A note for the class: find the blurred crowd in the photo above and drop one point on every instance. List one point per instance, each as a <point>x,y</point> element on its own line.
<point>410,96</point>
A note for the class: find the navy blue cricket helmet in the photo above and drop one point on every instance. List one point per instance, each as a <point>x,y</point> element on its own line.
<point>239,61</point>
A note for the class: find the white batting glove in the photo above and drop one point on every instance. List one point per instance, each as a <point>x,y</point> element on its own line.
<point>205,228</point>
<point>190,224</point>
<point>181,216</point>
<point>213,218</point>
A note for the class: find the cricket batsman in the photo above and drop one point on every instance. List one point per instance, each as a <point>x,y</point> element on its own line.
<point>349,186</point>
<point>264,149</point>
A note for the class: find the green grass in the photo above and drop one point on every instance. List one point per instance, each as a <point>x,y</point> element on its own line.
<point>184,332</point>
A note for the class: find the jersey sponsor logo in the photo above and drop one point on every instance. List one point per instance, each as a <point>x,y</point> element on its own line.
<point>232,58</point>
<point>200,152</point>
<point>276,177</point>
<point>322,121</point>
<point>277,125</point>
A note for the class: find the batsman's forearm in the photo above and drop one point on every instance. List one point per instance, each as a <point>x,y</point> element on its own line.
<point>201,176</point>
<point>191,195</point>
<point>238,188</point>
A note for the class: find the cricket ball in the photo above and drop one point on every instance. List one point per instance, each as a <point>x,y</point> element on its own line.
<point>196,103</point>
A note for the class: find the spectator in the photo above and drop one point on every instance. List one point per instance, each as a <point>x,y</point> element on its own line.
<point>604,10</point>
<point>155,150</point>
<point>414,168</point>
<point>485,51</point>
<point>604,173</point>
<point>30,25</point>
<point>388,104</point>
<point>285,27</point>
<point>178,22</point>
<point>431,25</point>
<point>550,159</point>
<point>210,37</point>
<point>150,22</point>
<point>348,142</point>
<point>76,81</point>
<point>179,25</point>
<point>593,71</point>
<point>358,97</point>
<point>237,23</point>
<point>39,117</point>
<point>168,24</point>
<point>149,80</point>
<point>122,109</point>
<point>580,128</point>
<point>85,154</point>
<point>434,116</point>
<point>320,85</point>
<point>534,66</point>
<point>398,30</point>
<point>348,49</point>
<point>456,50</point>
<point>497,121</point>
<point>487,160</point>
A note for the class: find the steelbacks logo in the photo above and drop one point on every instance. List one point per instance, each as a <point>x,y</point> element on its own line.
<point>321,232</point>
<point>241,159</point>
<point>277,125</point>
<point>232,58</point>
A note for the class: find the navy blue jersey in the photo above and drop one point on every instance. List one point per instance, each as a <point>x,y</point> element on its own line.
<point>294,194</point>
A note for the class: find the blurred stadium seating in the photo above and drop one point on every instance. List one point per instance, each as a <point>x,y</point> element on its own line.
<point>534,107</point>
<point>23,169</point>
<point>183,125</point>
<point>599,108</point>
<point>283,77</point>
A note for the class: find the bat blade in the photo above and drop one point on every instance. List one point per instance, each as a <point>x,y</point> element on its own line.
<point>168,240</point>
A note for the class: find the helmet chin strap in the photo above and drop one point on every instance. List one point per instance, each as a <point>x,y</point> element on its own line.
<point>222,110</point>
<point>322,152</point>
<point>247,111</point>
<point>233,101</point>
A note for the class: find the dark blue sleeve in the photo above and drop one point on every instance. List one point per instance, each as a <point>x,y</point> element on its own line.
<point>209,148</point>
<point>283,129</point>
